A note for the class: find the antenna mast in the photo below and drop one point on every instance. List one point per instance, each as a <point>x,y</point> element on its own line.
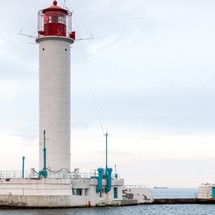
<point>106,137</point>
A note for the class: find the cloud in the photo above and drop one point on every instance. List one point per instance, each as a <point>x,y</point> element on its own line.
<point>8,90</point>
<point>171,172</point>
<point>13,147</point>
<point>152,63</point>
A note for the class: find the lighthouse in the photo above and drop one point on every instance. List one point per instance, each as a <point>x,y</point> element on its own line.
<point>55,37</point>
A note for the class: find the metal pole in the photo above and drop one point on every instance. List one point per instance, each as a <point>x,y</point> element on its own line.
<point>23,166</point>
<point>106,135</point>
<point>44,151</point>
<point>43,172</point>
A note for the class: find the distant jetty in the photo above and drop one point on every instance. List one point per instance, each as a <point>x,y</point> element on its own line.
<point>183,201</point>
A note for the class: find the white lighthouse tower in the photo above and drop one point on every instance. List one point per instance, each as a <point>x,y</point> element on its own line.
<point>54,38</point>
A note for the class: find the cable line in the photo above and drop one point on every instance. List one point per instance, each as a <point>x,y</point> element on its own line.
<point>97,103</point>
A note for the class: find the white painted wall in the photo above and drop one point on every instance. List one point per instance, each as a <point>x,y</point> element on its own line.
<point>205,191</point>
<point>54,95</point>
<point>142,194</point>
<point>40,187</point>
<point>55,192</point>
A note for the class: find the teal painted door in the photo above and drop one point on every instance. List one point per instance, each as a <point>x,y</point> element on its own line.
<point>213,192</point>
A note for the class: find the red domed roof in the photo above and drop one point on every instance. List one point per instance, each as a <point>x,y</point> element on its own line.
<point>55,7</point>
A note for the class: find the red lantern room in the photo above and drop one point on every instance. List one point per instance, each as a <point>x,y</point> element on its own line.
<point>55,21</point>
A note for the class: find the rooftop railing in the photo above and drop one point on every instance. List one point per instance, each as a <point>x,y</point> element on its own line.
<point>62,174</point>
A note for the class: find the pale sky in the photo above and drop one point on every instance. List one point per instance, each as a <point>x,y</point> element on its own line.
<point>152,65</point>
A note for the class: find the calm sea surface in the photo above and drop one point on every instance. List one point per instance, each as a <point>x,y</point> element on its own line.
<point>132,210</point>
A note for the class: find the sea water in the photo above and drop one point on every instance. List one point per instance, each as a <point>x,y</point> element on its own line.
<point>127,210</point>
<point>184,209</point>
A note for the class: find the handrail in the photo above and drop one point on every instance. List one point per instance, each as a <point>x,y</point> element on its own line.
<point>61,174</point>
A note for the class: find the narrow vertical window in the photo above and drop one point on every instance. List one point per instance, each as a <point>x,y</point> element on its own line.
<point>115,193</point>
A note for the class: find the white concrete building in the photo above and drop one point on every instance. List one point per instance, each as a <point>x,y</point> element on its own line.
<point>206,191</point>
<point>72,191</point>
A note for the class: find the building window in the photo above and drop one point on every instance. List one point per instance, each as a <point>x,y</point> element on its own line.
<point>73,191</point>
<point>77,192</point>
<point>115,193</point>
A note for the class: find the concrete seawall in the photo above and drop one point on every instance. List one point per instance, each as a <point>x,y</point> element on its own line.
<point>63,202</point>
<point>184,201</point>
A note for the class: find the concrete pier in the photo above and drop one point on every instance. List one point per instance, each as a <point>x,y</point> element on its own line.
<point>183,201</point>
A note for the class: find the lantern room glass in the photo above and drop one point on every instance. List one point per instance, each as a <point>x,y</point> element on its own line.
<point>57,17</point>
